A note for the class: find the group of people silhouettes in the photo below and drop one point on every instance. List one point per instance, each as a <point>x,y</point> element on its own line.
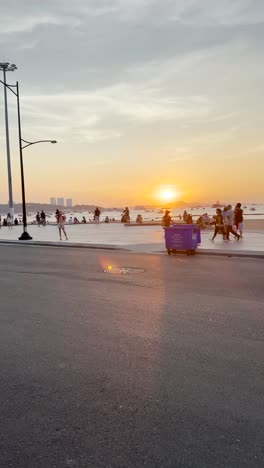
<point>225,222</point>
<point>41,218</point>
<point>229,221</point>
<point>8,221</point>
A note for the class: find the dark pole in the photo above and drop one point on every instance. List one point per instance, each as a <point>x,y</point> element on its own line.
<point>9,171</point>
<point>24,235</point>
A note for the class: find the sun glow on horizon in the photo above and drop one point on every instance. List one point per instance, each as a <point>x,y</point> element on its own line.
<point>167,194</point>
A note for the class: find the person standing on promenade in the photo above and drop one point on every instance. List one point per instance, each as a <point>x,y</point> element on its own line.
<point>230,224</point>
<point>9,221</point>
<point>61,218</point>
<point>38,218</point>
<point>43,218</point>
<point>239,218</point>
<point>97,213</point>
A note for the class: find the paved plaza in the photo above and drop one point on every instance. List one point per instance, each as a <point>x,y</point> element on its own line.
<point>157,363</point>
<point>136,238</point>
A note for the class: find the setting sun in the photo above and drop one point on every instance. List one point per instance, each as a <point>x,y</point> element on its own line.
<point>167,195</point>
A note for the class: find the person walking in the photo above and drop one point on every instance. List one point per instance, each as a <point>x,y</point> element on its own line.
<point>43,218</point>
<point>61,218</point>
<point>230,224</point>
<point>219,224</point>
<point>224,214</point>
<point>9,221</point>
<point>97,213</point>
<point>238,218</point>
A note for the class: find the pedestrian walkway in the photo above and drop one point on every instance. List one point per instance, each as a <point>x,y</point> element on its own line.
<point>137,239</point>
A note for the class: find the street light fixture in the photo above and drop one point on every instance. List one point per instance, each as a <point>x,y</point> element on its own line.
<point>29,143</point>
<point>7,67</point>
<point>25,235</point>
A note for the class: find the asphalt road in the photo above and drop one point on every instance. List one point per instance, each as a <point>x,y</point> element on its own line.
<point>162,368</point>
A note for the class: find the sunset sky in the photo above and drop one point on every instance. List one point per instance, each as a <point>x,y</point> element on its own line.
<point>139,94</point>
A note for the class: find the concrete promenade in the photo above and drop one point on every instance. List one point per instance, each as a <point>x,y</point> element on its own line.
<point>148,239</point>
<point>160,368</point>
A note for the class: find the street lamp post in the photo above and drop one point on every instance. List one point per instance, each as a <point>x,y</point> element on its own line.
<point>25,235</point>
<point>6,67</point>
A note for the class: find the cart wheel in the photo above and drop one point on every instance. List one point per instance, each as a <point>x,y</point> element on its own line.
<point>188,252</point>
<point>169,251</point>
<point>193,252</point>
<point>174,251</point>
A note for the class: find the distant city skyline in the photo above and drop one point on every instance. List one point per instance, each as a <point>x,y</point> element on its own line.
<point>61,201</point>
<point>143,94</point>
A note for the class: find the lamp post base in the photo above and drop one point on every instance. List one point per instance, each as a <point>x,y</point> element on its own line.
<point>25,236</point>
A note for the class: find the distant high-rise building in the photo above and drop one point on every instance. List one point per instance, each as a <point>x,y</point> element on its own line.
<point>69,202</point>
<point>60,201</point>
<point>52,200</point>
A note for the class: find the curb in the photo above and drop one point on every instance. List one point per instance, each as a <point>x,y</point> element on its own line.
<point>211,253</point>
<point>247,254</point>
<point>62,245</point>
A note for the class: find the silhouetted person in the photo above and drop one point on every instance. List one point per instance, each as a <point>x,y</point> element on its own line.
<point>9,221</point>
<point>126,216</point>
<point>238,218</point>
<point>219,224</point>
<point>189,219</point>
<point>61,218</point>
<point>230,224</point>
<point>43,218</point>
<point>38,218</point>
<point>97,213</point>
<point>166,220</point>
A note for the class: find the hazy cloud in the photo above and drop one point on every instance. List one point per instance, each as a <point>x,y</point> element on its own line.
<point>97,67</point>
